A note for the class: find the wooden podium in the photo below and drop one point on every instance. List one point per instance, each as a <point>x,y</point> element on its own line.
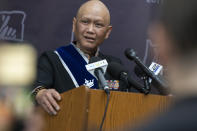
<point>82,109</point>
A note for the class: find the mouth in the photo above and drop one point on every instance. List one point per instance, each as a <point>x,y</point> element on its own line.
<point>89,39</point>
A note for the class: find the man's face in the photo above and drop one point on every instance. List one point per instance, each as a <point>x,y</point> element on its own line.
<point>91,28</point>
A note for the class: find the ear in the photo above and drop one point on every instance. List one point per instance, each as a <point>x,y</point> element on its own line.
<point>74,24</point>
<point>108,31</point>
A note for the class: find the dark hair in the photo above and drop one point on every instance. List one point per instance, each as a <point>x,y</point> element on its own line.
<point>179,17</point>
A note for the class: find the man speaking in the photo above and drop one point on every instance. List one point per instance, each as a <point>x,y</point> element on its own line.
<point>64,68</point>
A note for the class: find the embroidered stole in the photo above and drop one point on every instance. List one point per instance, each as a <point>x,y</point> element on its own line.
<point>76,66</point>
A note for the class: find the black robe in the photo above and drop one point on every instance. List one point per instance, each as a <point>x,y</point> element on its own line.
<point>52,74</point>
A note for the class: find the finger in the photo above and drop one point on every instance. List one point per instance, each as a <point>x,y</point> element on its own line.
<point>49,107</point>
<point>55,94</point>
<point>52,101</point>
<point>45,108</point>
<point>42,104</point>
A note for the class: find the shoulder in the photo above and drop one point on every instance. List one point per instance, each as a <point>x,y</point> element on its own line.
<point>48,59</point>
<point>48,56</point>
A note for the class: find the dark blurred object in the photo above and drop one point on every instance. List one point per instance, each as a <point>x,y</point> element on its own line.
<point>17,72</point>
<point>175,34</point>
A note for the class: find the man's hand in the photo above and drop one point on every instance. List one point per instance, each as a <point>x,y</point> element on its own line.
<point>48,98</point>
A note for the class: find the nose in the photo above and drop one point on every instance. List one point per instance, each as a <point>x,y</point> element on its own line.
<point>90,28</point>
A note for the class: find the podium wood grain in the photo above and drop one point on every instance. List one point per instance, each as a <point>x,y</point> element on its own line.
<point>82,109</point>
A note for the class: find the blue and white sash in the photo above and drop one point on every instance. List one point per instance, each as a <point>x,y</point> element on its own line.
<point>74,63</point>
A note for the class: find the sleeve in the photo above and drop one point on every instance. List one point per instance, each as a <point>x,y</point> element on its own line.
<point>44,72</point>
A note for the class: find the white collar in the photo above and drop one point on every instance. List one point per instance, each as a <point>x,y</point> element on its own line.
<point>84,55</point>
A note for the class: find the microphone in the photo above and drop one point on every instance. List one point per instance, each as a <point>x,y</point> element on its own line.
<point>162,86</point>
<point>154,67</point>
<point>139,73</point>
<point>119,72</point>
<point>97,67</point>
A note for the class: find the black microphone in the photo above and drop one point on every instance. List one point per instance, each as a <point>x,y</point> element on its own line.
<point>118,72</point>
<point>99,73</point>
<point>161,85</point>
<point>139,73</point>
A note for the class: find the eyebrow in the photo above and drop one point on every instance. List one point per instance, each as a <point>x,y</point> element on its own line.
<point>97,19</point>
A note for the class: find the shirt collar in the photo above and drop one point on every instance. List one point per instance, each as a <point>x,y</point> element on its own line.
<point>84,55</point>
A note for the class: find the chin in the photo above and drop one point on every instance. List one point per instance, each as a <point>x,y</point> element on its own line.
<point>90,49</point>
<point>89,45</point>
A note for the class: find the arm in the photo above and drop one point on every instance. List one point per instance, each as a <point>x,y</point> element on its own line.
<point>45,96</point>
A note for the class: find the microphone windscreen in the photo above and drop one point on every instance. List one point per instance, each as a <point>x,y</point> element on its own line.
<point>94,59</point>
<point>115,69</point>
<point>130,53</point>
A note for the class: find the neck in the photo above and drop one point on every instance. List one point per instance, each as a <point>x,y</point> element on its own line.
<point>89,53</point>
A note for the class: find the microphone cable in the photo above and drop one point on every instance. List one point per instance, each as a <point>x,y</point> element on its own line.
<point>106,107</point>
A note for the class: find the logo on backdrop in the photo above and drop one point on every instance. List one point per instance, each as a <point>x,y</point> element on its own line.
<point>12,25</point>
